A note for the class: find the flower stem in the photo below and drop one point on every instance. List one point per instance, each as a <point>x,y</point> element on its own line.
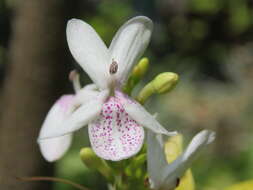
<point>41,178</point>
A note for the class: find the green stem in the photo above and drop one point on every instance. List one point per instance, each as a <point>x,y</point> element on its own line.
<point>145,93</point>
<point>54,179</point>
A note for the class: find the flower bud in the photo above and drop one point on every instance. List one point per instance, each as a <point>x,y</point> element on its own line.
<point>141,68</point>
<point>136,163</point>
<point>137,73</point>
<point>92,161</point>
<point>165,82</point>
<point>162,83</point>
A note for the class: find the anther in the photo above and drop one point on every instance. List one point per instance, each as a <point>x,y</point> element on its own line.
<point>113,67</point>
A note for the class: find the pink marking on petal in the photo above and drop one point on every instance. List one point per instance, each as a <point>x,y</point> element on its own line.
<point>65,102</point>
<point>114,135</point>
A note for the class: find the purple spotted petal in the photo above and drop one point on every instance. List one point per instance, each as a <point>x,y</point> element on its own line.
<point>115,135</point>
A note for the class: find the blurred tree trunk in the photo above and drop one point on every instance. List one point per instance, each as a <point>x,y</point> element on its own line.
<point>36,76</point>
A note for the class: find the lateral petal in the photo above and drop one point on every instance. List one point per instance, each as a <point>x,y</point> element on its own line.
<point>80,117</point>
<point>54,148</point>
<point>89,51</point>
<point>128,45</point>
<point>141,116</point>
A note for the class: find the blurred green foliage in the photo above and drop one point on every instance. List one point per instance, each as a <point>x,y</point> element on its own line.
<point>109,17</point>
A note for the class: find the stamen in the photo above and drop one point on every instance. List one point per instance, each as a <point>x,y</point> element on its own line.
<point>113,67</point>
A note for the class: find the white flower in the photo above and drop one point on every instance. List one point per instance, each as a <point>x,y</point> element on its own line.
<point>115,120</point>
<point>164,176</point>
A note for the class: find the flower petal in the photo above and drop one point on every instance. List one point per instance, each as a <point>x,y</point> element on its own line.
<point>172,172</point>
<point>114,135</point>
<point>156,159</point>
<point>200,140</point>
<point>128,45</point>
<point>86,94</point>
<point>139,114</point>
<point>78,118</point>
<point>89,51</point>
<point>54,148</point>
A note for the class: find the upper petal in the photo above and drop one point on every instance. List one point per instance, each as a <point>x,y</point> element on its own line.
<point>80,117</point>
<point>128,45</point>
<point>53,149</point>
<point>89,51</point>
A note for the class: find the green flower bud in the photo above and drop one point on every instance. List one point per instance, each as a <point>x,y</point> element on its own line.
<point>92,161</point>
<point>162,83</point>
<point>139,173</point>
<point>136,163</point>
<point>139,160</point>
<point>141,68</point>
<point>137,73</point>
<point>165,82</point>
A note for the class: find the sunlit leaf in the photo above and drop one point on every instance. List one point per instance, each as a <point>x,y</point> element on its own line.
<point>246,185</point>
